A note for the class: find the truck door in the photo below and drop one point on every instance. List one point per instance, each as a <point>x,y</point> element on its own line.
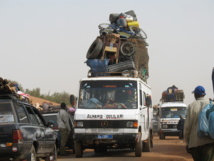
<point>35,130</point>
<point>143,112</point>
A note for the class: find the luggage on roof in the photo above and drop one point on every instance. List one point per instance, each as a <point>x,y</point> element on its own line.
<point>121,41</point>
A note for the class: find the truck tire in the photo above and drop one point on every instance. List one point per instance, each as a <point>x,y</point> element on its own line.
<point>162,136</point>
<point>100,149</point>
<point>138,147</point>
<point>94,49</point>
<point>147,144</point>
<point>32,155</point>
<point>78,149</point>
<point>53,155</point>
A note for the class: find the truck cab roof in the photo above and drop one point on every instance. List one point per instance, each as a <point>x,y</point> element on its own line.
<point>173,104</point>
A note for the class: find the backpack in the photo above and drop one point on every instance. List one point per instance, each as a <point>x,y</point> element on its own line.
<point>206,121</point>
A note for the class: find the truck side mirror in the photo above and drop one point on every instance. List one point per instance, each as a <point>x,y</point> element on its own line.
<point>50,124</point>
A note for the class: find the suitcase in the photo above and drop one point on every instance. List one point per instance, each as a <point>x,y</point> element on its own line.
<point>129,64</point>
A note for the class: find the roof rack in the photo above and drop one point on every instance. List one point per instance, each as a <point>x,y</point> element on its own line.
<point>14,97</point>
<point>125,73</point>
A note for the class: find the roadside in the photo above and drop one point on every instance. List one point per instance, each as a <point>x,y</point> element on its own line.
<point>170,149</point>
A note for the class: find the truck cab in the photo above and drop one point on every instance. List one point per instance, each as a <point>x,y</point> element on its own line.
<point>169,115</point>
<point>113,113</point>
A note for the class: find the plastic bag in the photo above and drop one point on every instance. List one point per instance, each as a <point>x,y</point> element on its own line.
<point>206,121</point>
<point>211,123</point>
<point>203,125</point>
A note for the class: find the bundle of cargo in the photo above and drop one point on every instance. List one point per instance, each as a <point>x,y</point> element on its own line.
<point>7,87</point>
<point>172,94</point>
<point>120,48</point>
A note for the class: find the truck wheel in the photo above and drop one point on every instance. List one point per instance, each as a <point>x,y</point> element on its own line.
<point>32,155</point>
<point>151,141</point>
<point>180,135</point>
<point>101,149</point>
<point>94,49</point>
<point>78,149</point>
<point>53,155</point>
<point>162,136</point>
<point>147,145</point>
<point>138,147</point>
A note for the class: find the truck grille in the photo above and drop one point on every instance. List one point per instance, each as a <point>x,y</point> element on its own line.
<point>105,123</point>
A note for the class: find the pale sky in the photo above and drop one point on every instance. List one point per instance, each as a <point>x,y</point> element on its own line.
<point>43,43</point>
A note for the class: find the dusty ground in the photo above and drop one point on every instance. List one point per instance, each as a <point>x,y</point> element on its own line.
<point>170,149</point>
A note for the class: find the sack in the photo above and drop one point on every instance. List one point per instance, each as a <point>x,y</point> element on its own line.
<point>206,121</point>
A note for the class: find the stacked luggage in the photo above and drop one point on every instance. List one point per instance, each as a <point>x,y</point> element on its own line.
<point>173,94</point>
<point>120,49</point>
<point>10,88</point>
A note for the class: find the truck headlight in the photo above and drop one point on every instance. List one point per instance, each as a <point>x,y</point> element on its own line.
<point>131,124</point>
<point>79,124</point>
<point>165,126</point>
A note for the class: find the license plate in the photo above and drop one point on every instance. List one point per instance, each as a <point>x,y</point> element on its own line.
<point>105,136</point>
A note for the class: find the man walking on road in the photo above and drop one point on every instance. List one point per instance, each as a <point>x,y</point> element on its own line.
<point>201,148</point>
<point>180,127</point>
<point>64,124</point>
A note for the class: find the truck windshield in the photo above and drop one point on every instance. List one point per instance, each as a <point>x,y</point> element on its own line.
<point>173,112</point>
<point>108,95</point>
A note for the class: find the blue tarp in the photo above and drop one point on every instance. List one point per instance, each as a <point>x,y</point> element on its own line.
<point>206,121</point>
<point>98,66</point>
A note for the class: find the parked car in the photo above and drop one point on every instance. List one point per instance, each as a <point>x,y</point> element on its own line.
<point>52,117</point>
<point>24,134</point>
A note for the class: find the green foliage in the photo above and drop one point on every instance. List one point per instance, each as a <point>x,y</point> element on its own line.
<point>34,92</point>
<point>55,97</point>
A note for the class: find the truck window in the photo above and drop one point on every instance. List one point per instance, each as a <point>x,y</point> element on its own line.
<point>173,112</point>
<point>22,116</point>
<point>32,116</point>
<point>6,112</point>
<point>141,97</point>
<point>108,95</point>
<point>38,118</point>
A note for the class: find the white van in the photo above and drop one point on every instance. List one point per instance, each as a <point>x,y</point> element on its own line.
<point>113,113</point>
<point>169,115</point>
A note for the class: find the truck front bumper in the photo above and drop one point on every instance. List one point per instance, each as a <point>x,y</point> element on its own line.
<point>169,132</point>
<point>93,139</point>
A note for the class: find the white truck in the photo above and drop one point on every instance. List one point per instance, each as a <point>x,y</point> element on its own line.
<point>113,113</point>
<point>170,110</point>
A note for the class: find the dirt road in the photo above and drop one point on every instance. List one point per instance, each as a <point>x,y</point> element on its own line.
<point>170,149</point>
